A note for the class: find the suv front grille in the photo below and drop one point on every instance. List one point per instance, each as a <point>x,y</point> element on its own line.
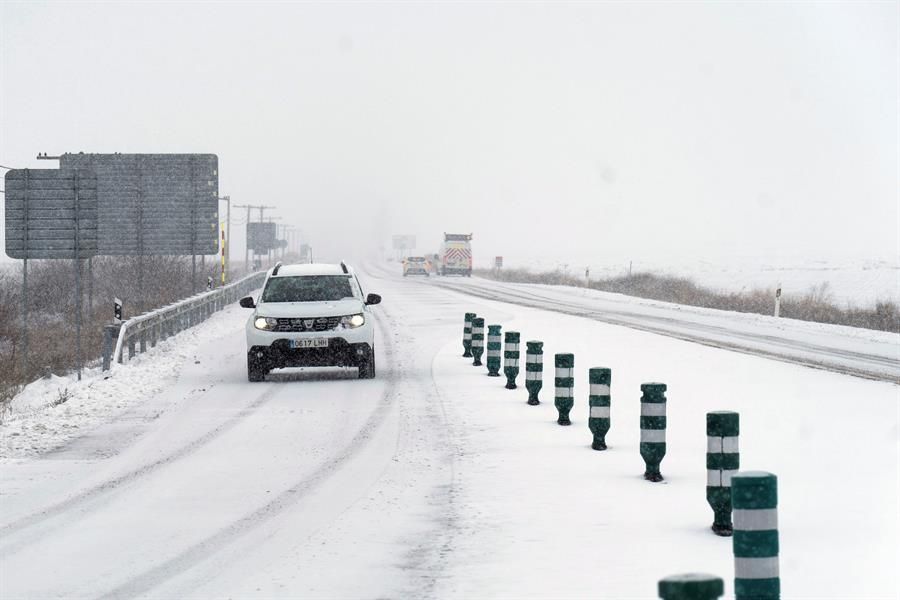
<point>301,325</point>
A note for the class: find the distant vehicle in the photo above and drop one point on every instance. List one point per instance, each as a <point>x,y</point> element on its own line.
<point>310,315</point>
<point>415,265</point>
<point>434,263</point>
<point>456,254</point>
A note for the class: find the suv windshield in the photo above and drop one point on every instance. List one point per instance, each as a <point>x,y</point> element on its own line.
<point>308,288</point>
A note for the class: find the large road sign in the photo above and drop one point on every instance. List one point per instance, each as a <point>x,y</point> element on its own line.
<point>50,213</point>
<point>261,237</point>
<point>154,204</point>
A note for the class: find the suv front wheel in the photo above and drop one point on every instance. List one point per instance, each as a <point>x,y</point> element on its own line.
<point>256,370</point>
<point>366,365</point>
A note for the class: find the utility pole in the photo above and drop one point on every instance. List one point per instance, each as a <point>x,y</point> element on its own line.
<point>227,200</point>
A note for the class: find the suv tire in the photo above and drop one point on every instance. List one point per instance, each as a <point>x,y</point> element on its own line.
<point>367,365</point>
<point>255,370</point>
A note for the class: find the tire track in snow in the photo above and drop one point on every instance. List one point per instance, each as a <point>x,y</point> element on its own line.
<point>212,544</point>
<point>428,557</point>
<point>36,524</point>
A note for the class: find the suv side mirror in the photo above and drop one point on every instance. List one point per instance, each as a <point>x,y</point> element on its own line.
<point>373,299</point>
<point>248,302</point>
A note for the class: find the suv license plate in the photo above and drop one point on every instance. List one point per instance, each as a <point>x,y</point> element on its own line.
<point>310,343</point>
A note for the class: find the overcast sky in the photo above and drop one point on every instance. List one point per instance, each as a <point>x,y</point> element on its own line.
<point>683,131</point>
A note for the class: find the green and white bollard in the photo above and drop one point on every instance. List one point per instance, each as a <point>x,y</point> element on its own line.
<point>691,586</point>
<point>600,403</point>
<point>754,495</point>
<point>534,370</point>
<point>467,335</point>
<point>477,340</point>
<point>653,428</point>
<point>494,350</point>
<point>564,397</point>
<point>511,358</point>
<point>722,462</point>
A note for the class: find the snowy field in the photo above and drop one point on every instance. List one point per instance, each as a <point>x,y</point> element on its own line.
<point>857,282</point>
<point>178,478</point>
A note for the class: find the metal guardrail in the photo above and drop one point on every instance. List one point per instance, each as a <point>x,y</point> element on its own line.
<point>157,325</point>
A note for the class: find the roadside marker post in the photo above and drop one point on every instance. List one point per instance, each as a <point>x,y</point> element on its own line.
<point>691,586</point>
<point>564,397</point>
<point>754,495</point>
<point>534,370</point>
<point>653,428</point>
<point>600,403</point>
<point>477,340</point>
<point>467,335</point>
<point>722,462</point>
<point>511,358</point>
<point>494,350</point>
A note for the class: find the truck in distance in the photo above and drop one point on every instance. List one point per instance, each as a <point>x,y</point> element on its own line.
<point>456,254</point>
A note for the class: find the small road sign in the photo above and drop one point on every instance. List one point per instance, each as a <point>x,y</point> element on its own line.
<point>261,237</point>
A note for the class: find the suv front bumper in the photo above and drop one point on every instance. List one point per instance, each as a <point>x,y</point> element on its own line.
<point>339,353</point>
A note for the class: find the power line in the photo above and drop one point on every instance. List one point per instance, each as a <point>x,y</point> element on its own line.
<point>7,168</point>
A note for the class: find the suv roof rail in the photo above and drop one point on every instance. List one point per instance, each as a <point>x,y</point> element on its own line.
<point>277,266</point>
<point>344,267</point>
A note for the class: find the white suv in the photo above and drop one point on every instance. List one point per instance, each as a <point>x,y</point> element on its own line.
<point>310,315</point>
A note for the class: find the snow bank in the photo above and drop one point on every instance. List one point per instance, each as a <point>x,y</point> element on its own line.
<point>49,412</point>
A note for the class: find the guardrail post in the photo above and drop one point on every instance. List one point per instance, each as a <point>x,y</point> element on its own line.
<point>494,350</point>
<point>691,586</point>
<point>143,340</point>
<point>653,428</point>
<point>130,347</point>
<point>154,334</point>
<point>754,495</point>
<point>564,398</point>
<point>722,462</point>
<point>511,358</point>
<point>467,334</point>
<point>534,370</point>
<point>477,340</point>
<point>110,335</point>
<point>600,402</point>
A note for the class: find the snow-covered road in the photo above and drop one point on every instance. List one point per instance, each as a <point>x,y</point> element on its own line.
<point>861,352</point>
<point>433,481</point>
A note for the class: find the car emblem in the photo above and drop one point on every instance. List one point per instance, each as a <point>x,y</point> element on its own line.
<point>308,323</point>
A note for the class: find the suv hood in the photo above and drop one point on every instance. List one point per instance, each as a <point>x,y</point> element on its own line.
<point>337,308</point>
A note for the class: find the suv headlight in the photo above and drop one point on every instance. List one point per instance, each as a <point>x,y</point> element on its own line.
<point>265,323</point>
<point>353,321</point>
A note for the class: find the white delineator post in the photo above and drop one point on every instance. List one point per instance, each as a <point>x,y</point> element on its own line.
<point>778,301</point>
